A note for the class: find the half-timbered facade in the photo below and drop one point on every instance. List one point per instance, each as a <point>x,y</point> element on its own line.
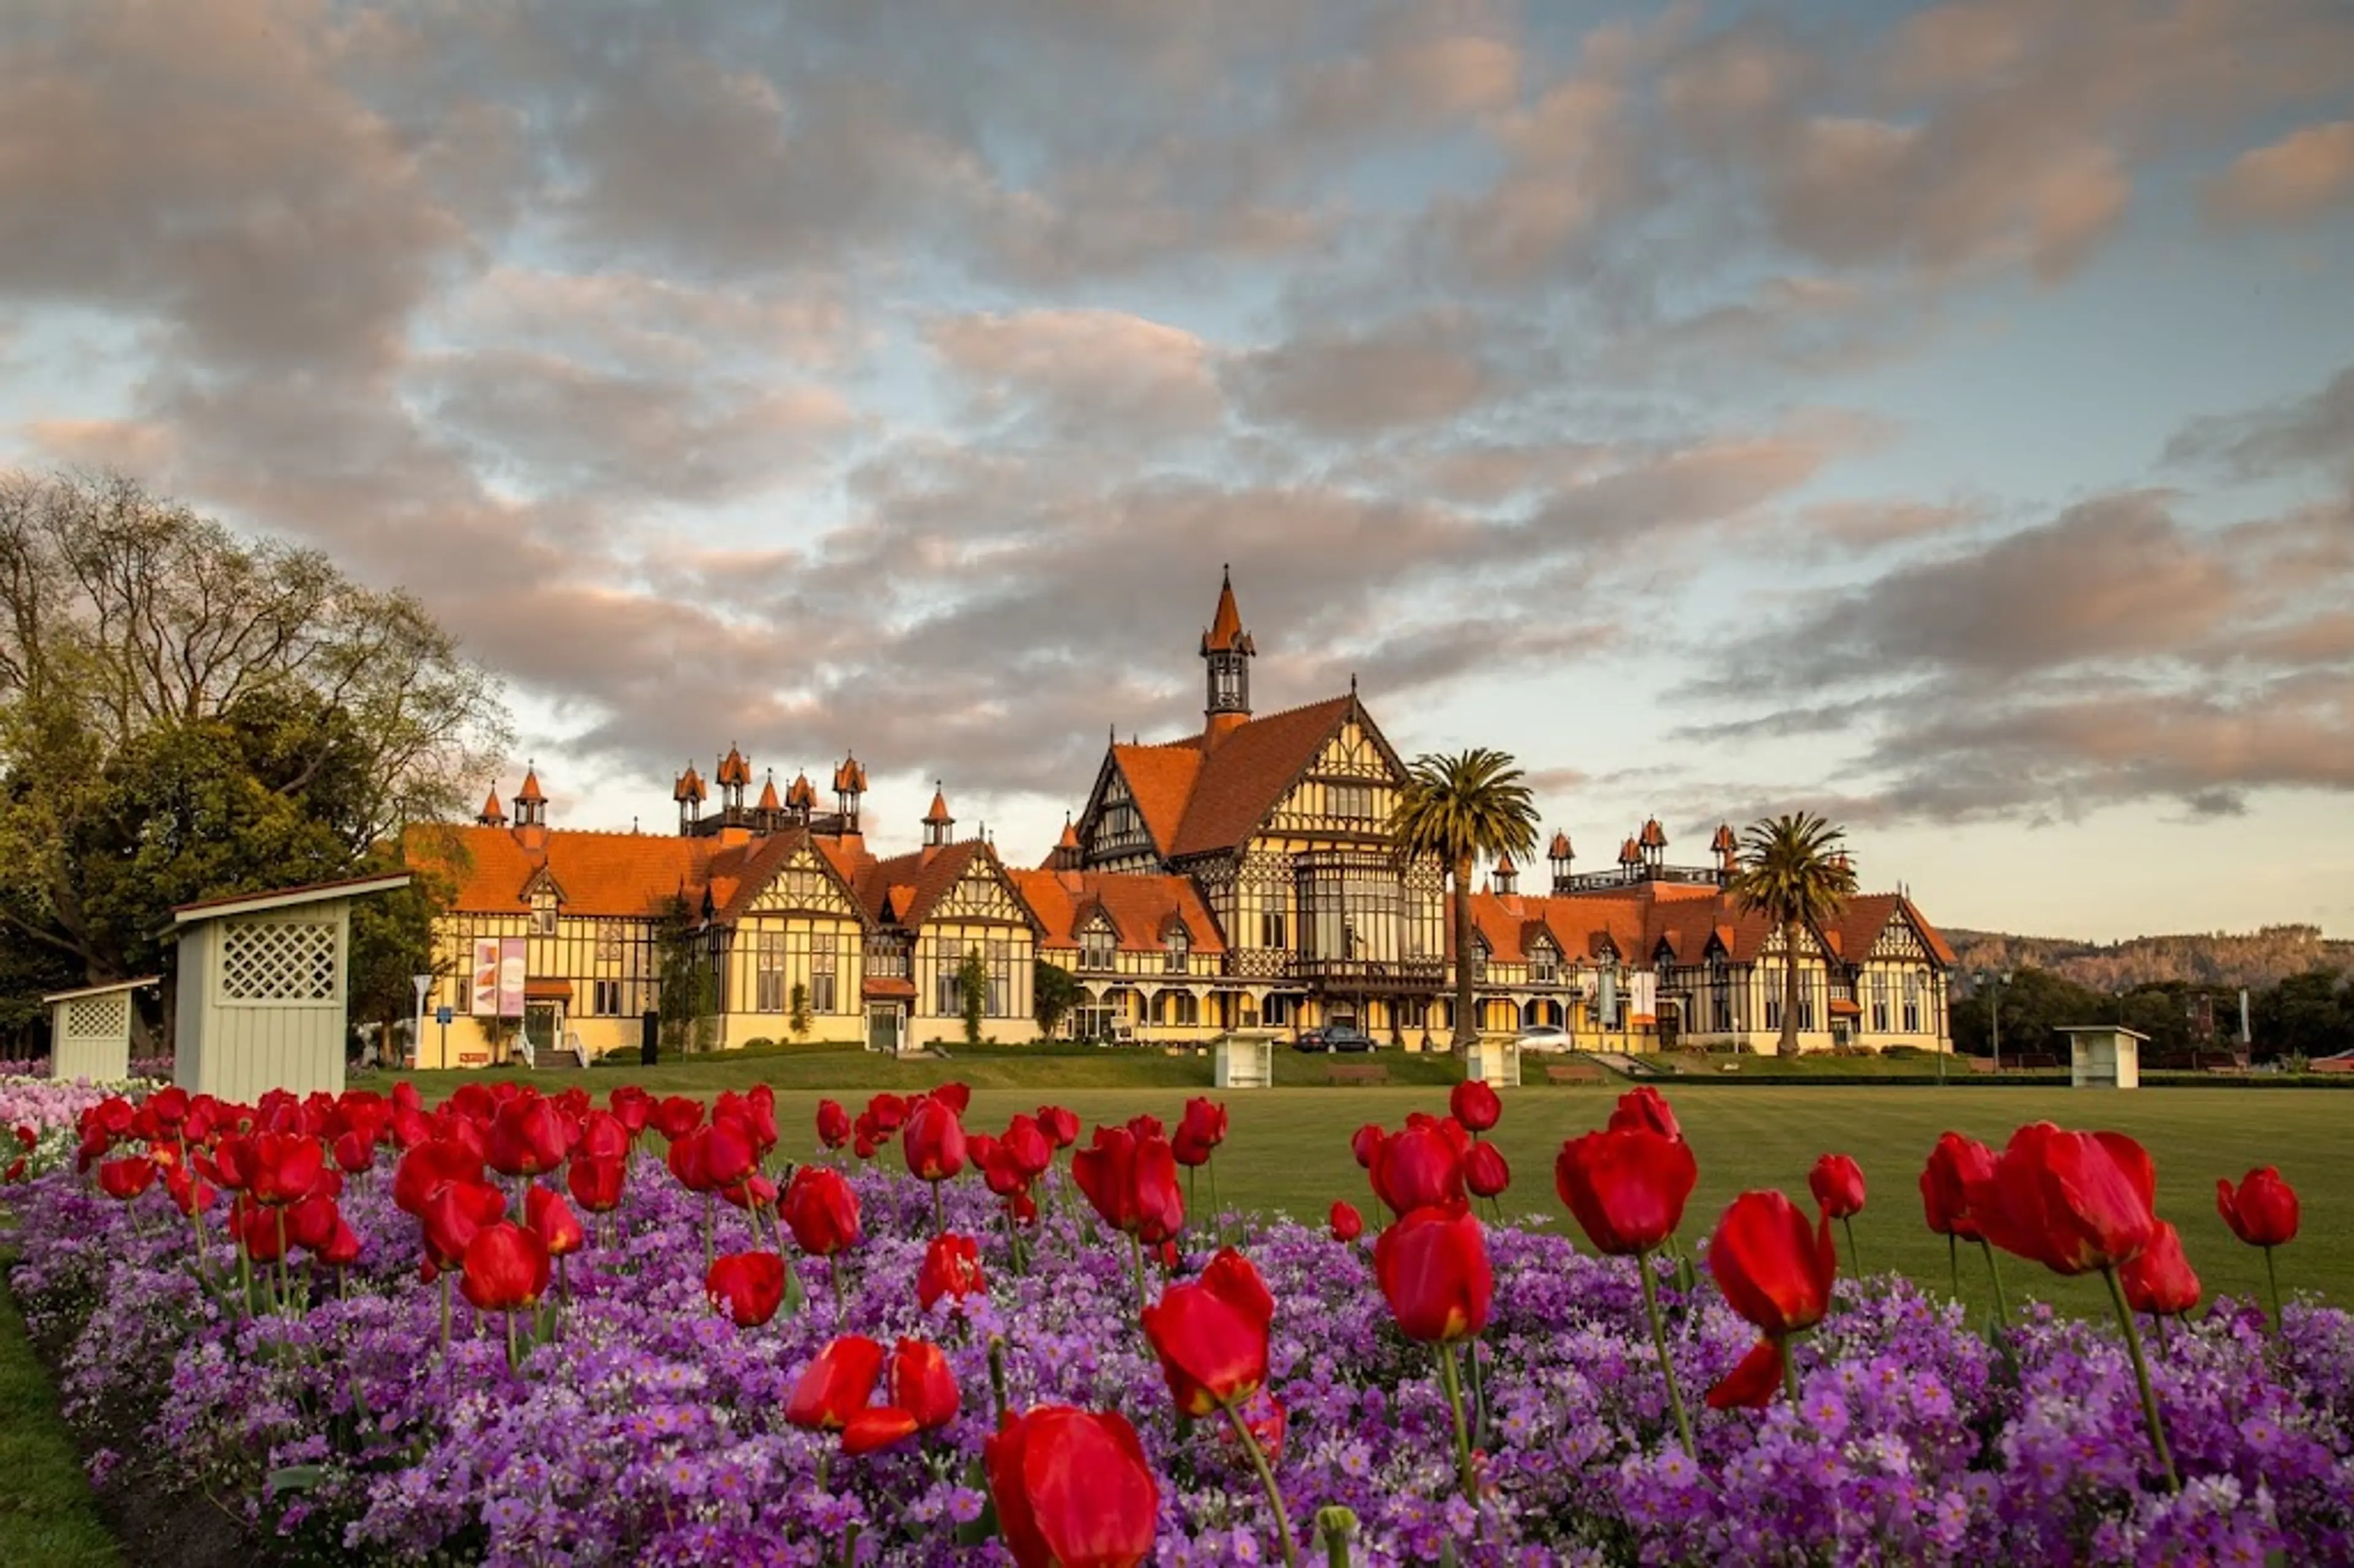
<point>1240,876</point>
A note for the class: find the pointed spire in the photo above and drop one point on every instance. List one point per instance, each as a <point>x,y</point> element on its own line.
<point>1070,839</point>
<point>939,812</point>
<point>492,814</point>
<point>769,801</point>
<point>800,794</point>
<point>1226,633</point>
<point>1559,849</point>
<point>531,793</point>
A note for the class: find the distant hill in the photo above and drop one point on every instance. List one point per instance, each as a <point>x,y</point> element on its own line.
<point>2254,959</point>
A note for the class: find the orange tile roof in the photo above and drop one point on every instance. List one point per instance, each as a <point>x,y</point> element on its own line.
<point>530,795</point>
<point>1160,780</point>
<point>1141,906</point>
<point>1225,632</point>
<point>1241,781</point>
<point>1866,915</point>
<point>625,875</point>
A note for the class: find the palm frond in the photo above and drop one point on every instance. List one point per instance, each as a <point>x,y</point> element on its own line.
<point>1792,868</point>
<point>1462,808</point>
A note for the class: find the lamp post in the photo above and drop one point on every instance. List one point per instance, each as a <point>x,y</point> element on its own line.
<point>2000,978</point>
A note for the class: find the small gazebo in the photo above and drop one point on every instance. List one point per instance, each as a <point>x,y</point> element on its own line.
<point>90,1031</point>
<point>2103,1055</point>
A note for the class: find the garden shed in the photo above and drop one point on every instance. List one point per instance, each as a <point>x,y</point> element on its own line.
<point>263,983</point>
<point>90,1031</point>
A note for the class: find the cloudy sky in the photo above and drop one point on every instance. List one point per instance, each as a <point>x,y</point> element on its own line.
<point>1941,418</point>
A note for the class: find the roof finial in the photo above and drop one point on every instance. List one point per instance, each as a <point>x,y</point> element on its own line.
<point>1352,683</point>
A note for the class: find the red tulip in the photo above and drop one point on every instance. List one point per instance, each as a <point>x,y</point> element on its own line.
<point>1211,1336</point>
<point>957,1097</point>
<point>833,1124</point>
<point>2074,1201</point>
<point>878,1426</point>
<point>552,1218</point>
<point>595,1182</point>
<point>886,1111</point>
<point>1433,1268</point>
<point>311,1223</point>
<point>1474,1103</point>
<point>190,1193</point>
<point>821,1211</point>
<point>1060,1125</point>
<point>2263,1211</point>
<point>754,1191</point>
<point>454,1215</point>
<point>951,1267</point>
<point>1132,1182</point>
<point>1201,1129</point>
<point>1416,1168</point>
<point>1146,1126</point>
<point>1485,1172</point>
<point>1347,1224</point>
<point>1837,1184</point>
<point>126,1178</point>
<point>1026,1148</point>
<point>355,1151</point>
<point>632,1107</point>
<point>1365,1143</point>
<point>341,1249</point>
<point>1644,1107</point>
<point>674,1117</point>
<point>1776,1269</point>
<point>527,1139</point>
<point>258,1231</point>
<point>603,1136</point>
<point>1072,1488</point>
<point>1955,1165</point>
<point>2159,1279</point>
<point>1627,1187</point>
<point>710,1158</point>
<point>932,1141</point>
<point>836,1385</point>
<point>922,1384</point>
<point>430,1164</point>
<point>506,1269</point>
<point>285,1167</point>
<point>750,1285</point>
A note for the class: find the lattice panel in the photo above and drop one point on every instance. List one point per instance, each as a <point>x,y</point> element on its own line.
<point>278,961</point>
<point>99,1017</point>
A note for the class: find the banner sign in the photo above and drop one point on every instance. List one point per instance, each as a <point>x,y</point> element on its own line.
<point>512,963</point>
<point>483,997</point>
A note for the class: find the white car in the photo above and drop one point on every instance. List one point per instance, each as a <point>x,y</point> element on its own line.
<point>1543,1037</point>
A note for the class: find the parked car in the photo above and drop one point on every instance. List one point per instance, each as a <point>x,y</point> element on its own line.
<point>1543,1037</point>
<point>1335,1037</point>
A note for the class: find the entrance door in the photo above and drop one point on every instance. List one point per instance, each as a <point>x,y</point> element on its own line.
<point>883,1027</point>
<point>542,1028</point>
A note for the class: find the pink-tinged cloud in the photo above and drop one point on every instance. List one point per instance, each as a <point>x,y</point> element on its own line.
<point>2295,180</point>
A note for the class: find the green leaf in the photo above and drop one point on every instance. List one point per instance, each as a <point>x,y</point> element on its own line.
<point>289,1478</point>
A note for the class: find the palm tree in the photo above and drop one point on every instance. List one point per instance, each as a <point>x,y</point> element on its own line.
<point>1794,873</point>
<point>1455,809</point>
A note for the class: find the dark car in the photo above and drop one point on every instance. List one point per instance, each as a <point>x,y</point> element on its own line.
<point>1335,1037</point>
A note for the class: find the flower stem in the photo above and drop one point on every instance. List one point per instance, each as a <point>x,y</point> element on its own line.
<point>2001,1302</point>
<point>2164,1345</point>
<point>445,1314</point>
<point>1659,1340</point>
<point>1218,1212</point>
<point>1954,1262</point>
<point>1854,1258</point>
<point>850,1545</point>
<point>710,1250</point>
<point>1479,1393</point>
<point>2272,1279</point>
<point>1136,1254</point>
<point>2141,1376</point>
<point>939,1212</point>
<point>1789,1374</point>
<point>513,1354</point>
<point>1454,1383</point>
<point>1266,1479</point>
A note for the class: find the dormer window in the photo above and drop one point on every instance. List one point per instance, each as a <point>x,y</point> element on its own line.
<point>543,914</point>
<point>1545,964</point>
<point>1098,947</point>
<point>1478,959</point>
<point>1181,946</point>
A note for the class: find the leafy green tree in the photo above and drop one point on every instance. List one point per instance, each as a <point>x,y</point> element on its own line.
<point>688,993</point>
<point>1054,992</point>
<point>2033,1003</point>
<point>2311,1014</point>
<point>1455,809</point>
<point>185,714</point>
<point>800,1016</point>
<point>1792,872</point>
<point>972,992</point>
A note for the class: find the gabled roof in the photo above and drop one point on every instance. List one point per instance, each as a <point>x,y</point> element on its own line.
<point>1866,915</point>
<point>1161,781</point>
<point>632,876</point>
<point>1142,908</point>
<point>741,873</point>
<point>909,886</point>
<point>1241,781</point>
<point>285,897</point>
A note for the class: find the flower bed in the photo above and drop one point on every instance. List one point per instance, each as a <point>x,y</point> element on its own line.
<point>40,1120</point>
<point>639,1417</point>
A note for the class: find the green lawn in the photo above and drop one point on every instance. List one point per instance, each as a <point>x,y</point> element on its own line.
<point>47,1517</point>
<point>1289,1147</point>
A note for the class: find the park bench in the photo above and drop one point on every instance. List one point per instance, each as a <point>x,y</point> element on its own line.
<point>1356,1073</point>
<point>1573,1073</point>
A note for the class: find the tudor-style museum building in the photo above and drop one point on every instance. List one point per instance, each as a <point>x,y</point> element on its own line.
<point>1235,878</point>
